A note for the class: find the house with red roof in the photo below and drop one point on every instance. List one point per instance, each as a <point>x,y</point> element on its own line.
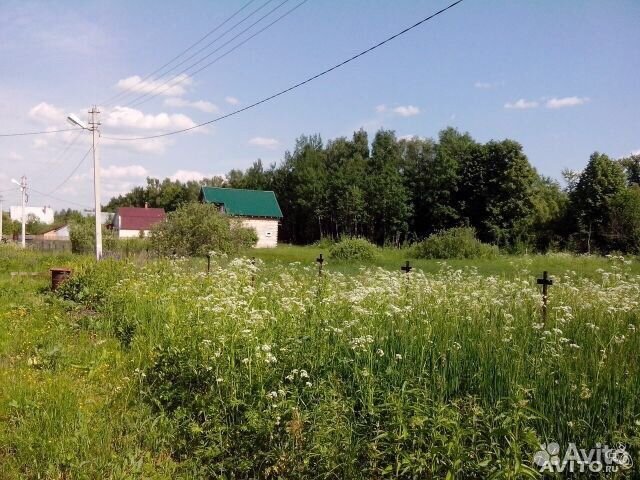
<point>132,222</point>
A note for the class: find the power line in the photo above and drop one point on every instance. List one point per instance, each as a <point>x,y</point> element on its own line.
<point>179,78</point>
<point>57,198</point>
<point>66,148</point>
<point>43,132</point>
<point>173,77</point>
<point>297,85</point>
<point>75,169</point>
<point>211,32</point>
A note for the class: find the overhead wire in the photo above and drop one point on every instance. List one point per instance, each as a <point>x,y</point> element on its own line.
<point>66,148</point>
<point>159,69</point>
<point>184,74</point>
<point>75,169</point>
<point>64,200</point>
<point>42,132</point>
<point>295,86</point>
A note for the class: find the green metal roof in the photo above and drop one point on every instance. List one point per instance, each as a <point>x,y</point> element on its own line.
<point>244,203</point>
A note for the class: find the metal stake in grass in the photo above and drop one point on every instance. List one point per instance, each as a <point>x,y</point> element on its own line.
<point>320,261</point>
<point>546,282</point>
<point>407,267</point>
<point>253,271</point>
<point>208,262</point>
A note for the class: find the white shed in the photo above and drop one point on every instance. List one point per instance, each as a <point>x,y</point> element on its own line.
<point>257,209</point>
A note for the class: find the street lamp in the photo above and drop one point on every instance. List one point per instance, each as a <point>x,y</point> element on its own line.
<point>93,128</point>
<point>23,190</point>
<point>76,122</point>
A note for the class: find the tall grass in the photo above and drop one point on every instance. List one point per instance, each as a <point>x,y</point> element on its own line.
<point>268,370</point>
<point>275,372</point>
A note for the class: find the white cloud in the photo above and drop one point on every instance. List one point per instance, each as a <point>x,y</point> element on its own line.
<point>635,152</point>
<point>190,175</point>
<point>411,137</point>
<point>126,171</point>
<point>566,102</point>
<point>47,114</point>
<point>40,142</point>
<point>124,117</point>
<point>487,85</point>
<point>232,100</point>
<point>201,105</point>
<point>152,146</point>
<point>14,156</point>
<point>406,111</point>
<point>401,110</point>
<point>521,104</point>
<point>264,142</point>
<point>173,88</point>
<point>116,173</point>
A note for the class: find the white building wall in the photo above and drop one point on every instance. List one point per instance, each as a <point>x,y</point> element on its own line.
<point>60,234</point>
<point>131,233</point>
<point>267,230</point>
<point>43,214</point>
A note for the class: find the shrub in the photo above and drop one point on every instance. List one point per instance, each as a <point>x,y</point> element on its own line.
<point>460,242</point>
<point>196,229</point>
<point>324,242</point>
<point>82,234</point>
<point>351,248</point>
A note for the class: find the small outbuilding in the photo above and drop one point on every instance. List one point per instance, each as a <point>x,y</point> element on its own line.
<point>57,233</point>
<point>257,209</point>
<point>132,222</point>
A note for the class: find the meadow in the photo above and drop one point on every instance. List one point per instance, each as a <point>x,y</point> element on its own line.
<point>265,369</point>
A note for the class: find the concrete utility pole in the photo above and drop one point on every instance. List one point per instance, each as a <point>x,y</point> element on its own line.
<point>23,191</point>
<point>95,138</point>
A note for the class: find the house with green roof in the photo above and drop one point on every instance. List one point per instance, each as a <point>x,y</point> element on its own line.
<point>257,209</point>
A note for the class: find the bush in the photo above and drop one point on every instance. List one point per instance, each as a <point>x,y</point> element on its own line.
<point>196,229</point>
<point>351,248</point>
<point>458,242</point>
<point>324,243</point>
<point>130,246</point>
<point>82,234</point>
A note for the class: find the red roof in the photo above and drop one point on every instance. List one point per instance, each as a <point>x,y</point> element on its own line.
<point>132,218</point>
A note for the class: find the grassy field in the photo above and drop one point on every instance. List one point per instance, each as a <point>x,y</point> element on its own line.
<point>159,370</point>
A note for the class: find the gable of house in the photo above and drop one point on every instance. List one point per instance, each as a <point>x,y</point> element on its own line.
<point>243,203</point>
<point>132,218</point>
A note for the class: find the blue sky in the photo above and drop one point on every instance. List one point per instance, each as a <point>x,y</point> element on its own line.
<point>559,77</point>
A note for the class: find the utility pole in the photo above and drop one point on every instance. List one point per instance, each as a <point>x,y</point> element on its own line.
<point>1,218</point>
<point>94,125</point>
<point>23,190</point>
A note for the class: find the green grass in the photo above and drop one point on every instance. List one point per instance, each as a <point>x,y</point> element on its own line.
<point>393,259</point>
<point>162,371</point>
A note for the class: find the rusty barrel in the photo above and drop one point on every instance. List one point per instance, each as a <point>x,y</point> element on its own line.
<point>59,275</point>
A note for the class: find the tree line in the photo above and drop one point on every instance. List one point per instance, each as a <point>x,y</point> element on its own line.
<point>394,191</point>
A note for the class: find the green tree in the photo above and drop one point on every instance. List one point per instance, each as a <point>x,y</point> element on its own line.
<point>386,196</point>
<point>599,183</point>
<point>547,227</point>
<point>624,220</point>
<point>346,168</point>
<point>495,189</point>
<point>195,229</point>
<point>430,177</point>
<point>631,166</point>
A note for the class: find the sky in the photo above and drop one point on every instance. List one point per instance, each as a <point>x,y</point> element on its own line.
<point>561,78</point>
